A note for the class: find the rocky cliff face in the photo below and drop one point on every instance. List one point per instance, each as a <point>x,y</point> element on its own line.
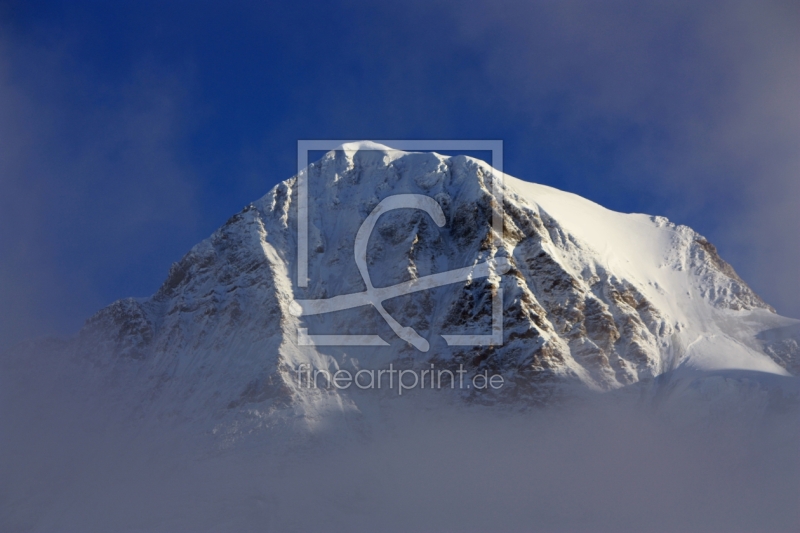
<point>592,297</point>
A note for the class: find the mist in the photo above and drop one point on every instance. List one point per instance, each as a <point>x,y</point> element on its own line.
<point>73,461</point>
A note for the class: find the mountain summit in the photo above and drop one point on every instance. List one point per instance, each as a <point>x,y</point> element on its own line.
<point>590,297</point>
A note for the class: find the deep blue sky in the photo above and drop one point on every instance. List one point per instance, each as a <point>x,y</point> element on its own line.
<point>129,131</point>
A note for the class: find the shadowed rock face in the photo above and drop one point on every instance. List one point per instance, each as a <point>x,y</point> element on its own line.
<point>218,335</point>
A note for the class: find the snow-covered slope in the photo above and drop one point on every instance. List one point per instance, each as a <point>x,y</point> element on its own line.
<point>714,314</point>
<point>593,298</point>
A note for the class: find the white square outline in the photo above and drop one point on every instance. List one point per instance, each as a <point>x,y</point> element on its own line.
<point>305,146</point>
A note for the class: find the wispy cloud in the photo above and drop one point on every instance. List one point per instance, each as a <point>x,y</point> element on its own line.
<point>93,188</point>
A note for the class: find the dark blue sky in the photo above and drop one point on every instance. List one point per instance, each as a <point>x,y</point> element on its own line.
<point>129,131</point>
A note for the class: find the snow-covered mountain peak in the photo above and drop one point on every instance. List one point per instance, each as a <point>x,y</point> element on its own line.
<point>591,297</point>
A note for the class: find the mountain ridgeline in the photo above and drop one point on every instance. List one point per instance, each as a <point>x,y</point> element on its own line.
<point>591,300</point>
